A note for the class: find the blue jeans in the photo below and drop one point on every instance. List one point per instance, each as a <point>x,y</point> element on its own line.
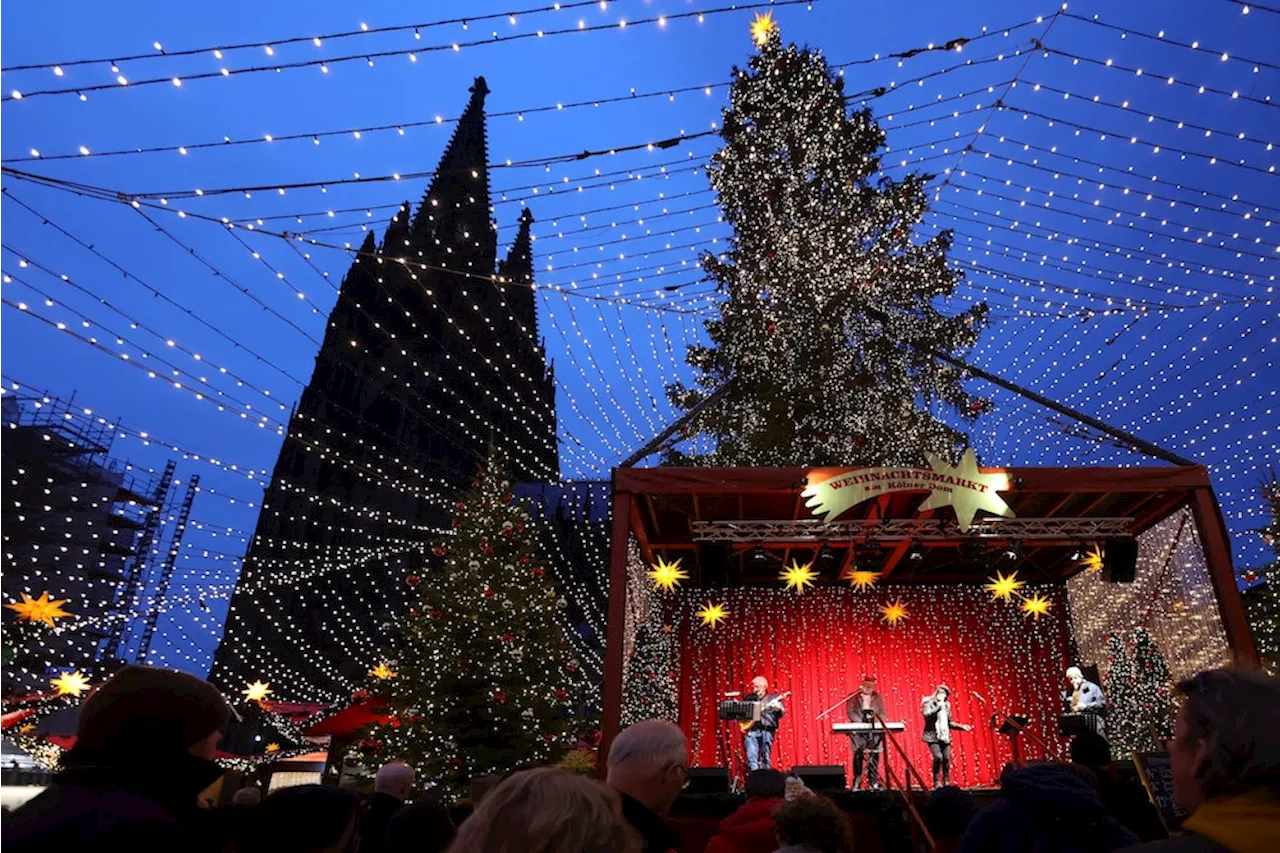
<point>759,745</point>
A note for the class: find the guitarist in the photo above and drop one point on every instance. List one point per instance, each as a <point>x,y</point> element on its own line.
<point>758,738</point>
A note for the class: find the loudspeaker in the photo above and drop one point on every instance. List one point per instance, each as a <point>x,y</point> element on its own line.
<point>821,777</point>
<point>1120,561</point>
<point>708,780</point>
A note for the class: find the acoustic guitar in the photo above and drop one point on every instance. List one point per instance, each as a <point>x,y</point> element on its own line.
<point>750,724</point>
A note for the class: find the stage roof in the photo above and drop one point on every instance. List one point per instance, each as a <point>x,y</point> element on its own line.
<point>716,519</point>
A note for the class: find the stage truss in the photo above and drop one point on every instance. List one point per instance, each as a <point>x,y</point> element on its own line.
<point>911,529</point>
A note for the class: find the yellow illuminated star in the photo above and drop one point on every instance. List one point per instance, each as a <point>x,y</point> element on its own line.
<point>70,683</point>
<point>667,576</point>
<point>860,579</point>
<point>1003,587</point>
<point>39,609</point>
<point>273,747</point>
<point>382,671</point>
<point>256,691</point>
<point>712,614</point>
<point>798,576</point>
<point>26,729</point>
<point>762,27</point>
<point>1036,606</point>
<point>893,612</point>
<point>1093,560</point>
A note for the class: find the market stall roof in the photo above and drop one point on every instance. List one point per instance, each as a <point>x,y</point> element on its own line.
<point>351,719</point>
<point>740,525</point>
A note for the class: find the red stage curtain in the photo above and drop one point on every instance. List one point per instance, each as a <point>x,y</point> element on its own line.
<point>819,645</point>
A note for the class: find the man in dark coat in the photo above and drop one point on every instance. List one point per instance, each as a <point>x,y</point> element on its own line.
<point>143,753</point>
<point>391,786</point>
<point>863,707</point>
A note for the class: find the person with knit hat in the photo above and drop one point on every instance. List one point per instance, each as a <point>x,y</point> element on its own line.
<point>144,746</point>
<point>938,724</point>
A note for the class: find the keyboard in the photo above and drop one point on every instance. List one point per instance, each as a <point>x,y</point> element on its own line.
<point>856,728</point>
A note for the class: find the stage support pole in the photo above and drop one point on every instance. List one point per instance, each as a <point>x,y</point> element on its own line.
<point>1217,555</point>
<point>615,631</point>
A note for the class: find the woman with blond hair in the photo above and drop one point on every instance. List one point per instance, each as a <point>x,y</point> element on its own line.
<point>547,810</point>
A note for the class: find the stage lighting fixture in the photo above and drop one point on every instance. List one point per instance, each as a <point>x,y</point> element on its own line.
<point>915,552</point>
<point>868,561</point>
<point>1013,550</point>
<point>826,557</point>
<point>1077,555</point>
<point>759,555</point>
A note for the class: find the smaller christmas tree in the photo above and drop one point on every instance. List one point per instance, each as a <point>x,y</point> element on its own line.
<point>1152,693</point>
<point>1261,599</point>
<point>1119,688</point>
<point>483,680</point>
<point>649,692</point>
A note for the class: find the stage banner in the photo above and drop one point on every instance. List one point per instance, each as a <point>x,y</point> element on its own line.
<point>962,487</point>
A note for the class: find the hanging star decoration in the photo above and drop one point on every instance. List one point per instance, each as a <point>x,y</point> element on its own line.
<point>1093,560</point>
<point>70,683</point>
<point>798,576</point>
<point>39,609</point>
<point>972,490</point>
<point>1036,606</point>
<point>273,747</point>
<point>712,614</point>
<point>762,27</point>
<point>382,671</point>
<point>256,691</point>
<point>26,728</point>
<point>667,576</point>
<point>860,579</point>
<point>1002,587</point>
<point>893,612</point>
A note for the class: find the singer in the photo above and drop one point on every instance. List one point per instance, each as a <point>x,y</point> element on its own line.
<point>938,724</point>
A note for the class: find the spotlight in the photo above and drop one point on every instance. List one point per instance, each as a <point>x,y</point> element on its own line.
<point>1013,551</point>
<point>868,561</point>
<point>759,555</point>
<point>1077,555</point>
<point>826,557</point>
<point>915,553</point>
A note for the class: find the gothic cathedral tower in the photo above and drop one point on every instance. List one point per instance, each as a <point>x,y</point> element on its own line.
<point>431,356</point>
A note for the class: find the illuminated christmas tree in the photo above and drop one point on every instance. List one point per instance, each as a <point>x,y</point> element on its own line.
<point>1121,722</point>
<point>1152,692</point>
<point>648,691</point>
<point>822,240</point>
<point>483,680</point>
<point>1261,601</point>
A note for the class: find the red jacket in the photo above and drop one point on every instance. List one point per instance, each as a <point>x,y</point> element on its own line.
<point>749,829</point>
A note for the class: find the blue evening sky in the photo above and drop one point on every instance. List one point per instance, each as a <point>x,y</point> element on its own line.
<point>1189,364</point>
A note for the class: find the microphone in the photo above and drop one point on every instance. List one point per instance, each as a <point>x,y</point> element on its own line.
<point>733,693</point>
<point>978,696</point>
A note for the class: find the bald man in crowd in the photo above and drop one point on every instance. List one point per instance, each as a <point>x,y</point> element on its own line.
<point>391,788</point>
<point>649,767</point>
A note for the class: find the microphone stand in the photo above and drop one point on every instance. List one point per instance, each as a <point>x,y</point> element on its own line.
<point>837,705</point>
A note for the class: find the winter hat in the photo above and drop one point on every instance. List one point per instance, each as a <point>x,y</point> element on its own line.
<point>144,710</point>
<point>943,687</point>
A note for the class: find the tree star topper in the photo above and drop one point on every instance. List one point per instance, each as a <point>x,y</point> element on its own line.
<point>962,487</point>
<point>39,609</point>
<point>256,691</point>
<point>798,576</point>
<point>762,27</point>
<point>382,672</point>
<point>712,614</point>
<point>667,576</point>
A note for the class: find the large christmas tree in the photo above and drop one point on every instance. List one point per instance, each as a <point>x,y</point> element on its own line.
<point>827,286</point>
<point>1262,599</point>
<point>483,680</point>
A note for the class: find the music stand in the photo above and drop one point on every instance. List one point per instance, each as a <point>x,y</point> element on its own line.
<point>736,711</point>
<point>1012,726</point>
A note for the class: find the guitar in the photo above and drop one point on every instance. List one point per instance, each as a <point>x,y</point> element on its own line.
<point>750,724</point>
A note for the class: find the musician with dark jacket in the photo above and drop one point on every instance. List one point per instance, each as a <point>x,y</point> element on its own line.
<point>938,724</point>
<point>758,739</point>
<point>1085,698</point>
<point>863,707</point>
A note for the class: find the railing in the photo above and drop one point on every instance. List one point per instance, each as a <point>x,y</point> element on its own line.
<point>905,788</point>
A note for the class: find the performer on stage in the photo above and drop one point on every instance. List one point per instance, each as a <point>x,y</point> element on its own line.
<point>758,740</point>
<point>938,724</point>
<point>1086,698</point>
<point>863,707</point>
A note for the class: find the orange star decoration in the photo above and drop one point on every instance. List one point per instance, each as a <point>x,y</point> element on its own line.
<point>712,614</point>
<point>26,729</point>
<point>256,691</point>
<point>273,747</point>
<point>1036,606</point>
<point>382,671</point>
<point>860,579</point>
<point>39,609</point>
<point>797,576</point>
<point>893,612</point>
<point>762,27</point>
<point>1093,560</point>
<point>70,683</point>
<point>667,576</point>
<point>1003,587</point>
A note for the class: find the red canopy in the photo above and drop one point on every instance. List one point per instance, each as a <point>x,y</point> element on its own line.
<point>14,717</point>
<point>351,719</point>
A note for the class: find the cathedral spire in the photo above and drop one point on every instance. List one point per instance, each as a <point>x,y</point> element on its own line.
<point>515,277</point>
<point>455,210</point>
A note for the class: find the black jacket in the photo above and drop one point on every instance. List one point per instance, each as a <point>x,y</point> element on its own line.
<point>769,717</point>
<point>149,807</point>
<point>656,835</point>
<point>375,817</point>
<point>853,708</point>
<point>931,707</point>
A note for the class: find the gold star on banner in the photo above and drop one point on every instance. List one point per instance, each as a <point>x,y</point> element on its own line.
<point>1036,606</point>
<point>273,747</point>
<point>667,576</point>
<point>860,579</point>
<point>70,683</point>
<point>382,671</point>
<point>970,490</point>
<point>797,576</point>
<point>893,612</point>
<point>39,609</point>
<point>1003,587</point>
<point>256,691</point>
<point>762,27</point>
<point>712,614</point>
<point>1093,560</point>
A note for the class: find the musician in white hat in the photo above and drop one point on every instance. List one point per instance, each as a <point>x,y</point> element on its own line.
<point>938,724</point>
